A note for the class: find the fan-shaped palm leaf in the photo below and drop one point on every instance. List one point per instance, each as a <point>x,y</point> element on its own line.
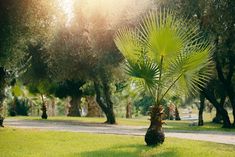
<point>145,74</point>
<point>183,56</point>
<point>165,35</point>
<point>127,40</point>
<point>191,70</point>
<point>160,35</point>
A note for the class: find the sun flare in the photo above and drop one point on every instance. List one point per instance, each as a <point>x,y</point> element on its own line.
<point>112,8</point>
<point>67,7</point>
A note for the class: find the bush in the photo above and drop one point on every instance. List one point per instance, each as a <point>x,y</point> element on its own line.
<point>18,107</point>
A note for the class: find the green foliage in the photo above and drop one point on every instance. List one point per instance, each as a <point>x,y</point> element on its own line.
<point>146,74</point>
<point>88,89</point>
<point>69,88</point>
<point>22,21</point>
<point>40,87</point>
<point>17,91</point>
<point>144,104</point>
<point>216,19</point>
<point>18,107</point>
<point>171,49</point>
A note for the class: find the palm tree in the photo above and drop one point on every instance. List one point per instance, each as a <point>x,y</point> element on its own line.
<point>165,53</point>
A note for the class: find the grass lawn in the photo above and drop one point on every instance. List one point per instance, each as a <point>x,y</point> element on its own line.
<point>35,143</point>
<point>170,125</point>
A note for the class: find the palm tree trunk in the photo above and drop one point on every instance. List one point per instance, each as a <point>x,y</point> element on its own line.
<point>44,108</point>
<point>155,134</point>
<point>177,115</point>
<point>128,110</point>
<point>53,107</point>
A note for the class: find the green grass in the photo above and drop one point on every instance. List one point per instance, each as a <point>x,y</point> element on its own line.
<point>170,125</point>
<point>34,143</point>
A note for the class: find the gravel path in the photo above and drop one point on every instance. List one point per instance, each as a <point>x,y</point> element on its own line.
<point>218,137</point>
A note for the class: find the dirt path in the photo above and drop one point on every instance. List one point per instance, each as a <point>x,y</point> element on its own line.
<point>218,137</point>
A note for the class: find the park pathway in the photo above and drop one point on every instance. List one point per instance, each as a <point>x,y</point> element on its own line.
<point>218,137</point>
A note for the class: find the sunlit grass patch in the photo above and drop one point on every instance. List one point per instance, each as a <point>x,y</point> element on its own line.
<point>34,143</point>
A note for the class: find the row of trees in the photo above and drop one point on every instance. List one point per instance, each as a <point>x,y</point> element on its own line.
<point>216,20</point>
<point>20,22</point>
<point>42,51</point>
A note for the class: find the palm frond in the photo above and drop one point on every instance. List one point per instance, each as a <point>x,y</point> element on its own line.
<point>176,43</point>
<point>161,33</point>
<point>127,42</point>
<point>194,66</point>
<point>145,74</point>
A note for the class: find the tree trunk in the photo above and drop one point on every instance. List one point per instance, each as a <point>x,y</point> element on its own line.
<point>231,96</point>
<point>218,118</point>
<point>107,95</point>
<point>128,110</point>
<point>105,104</point>
<point>154,134</point>
<point>44,108</point>
<point>53,107</point>
<point>3,82</point>
<point>177,114</point>
<point>74,109</point>
<point>201,108</point>
<point>227,81</point>
<point>110,117</point>
<point>92,107</point>
<point>210,96</point>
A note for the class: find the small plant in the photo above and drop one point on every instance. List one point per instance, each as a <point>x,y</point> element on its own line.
<point>163,53</point>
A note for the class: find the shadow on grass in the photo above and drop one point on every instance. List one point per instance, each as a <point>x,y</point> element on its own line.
<point>130,151</point>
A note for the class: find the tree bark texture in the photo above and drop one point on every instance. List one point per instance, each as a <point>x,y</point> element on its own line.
<point>201,108</point>
<point>177,114</point>
<point>3,84</point>
<point>75,106</point>
<point>105,102</point>
<point>227,81</point>
<point>155,134</point>
<point>93,108</point>
<point>128,110</point>
<point>211,97</point>
<point>218,118</point>
<point>44,108</point>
